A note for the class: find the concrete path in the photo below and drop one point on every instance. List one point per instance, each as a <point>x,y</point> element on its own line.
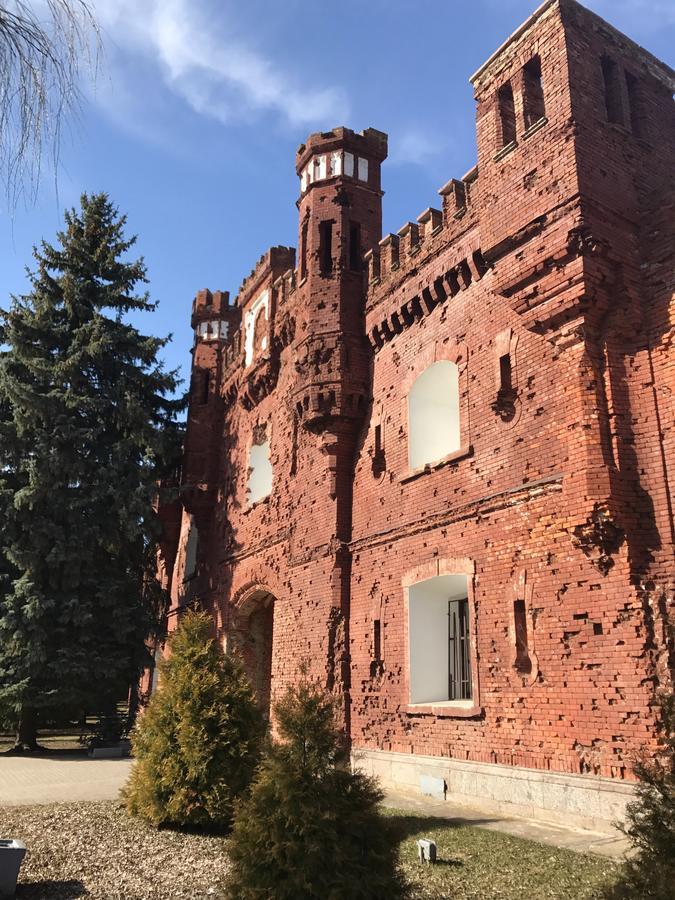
<point>613,845</point>
<point>26,780</point>
<point>58,779</point>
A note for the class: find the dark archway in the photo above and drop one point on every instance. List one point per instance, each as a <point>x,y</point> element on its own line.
<point>256,641</point>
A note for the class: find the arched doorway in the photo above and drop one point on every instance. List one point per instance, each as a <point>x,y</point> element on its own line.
<point>255,640</point>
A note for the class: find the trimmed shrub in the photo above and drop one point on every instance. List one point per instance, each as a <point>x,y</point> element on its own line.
<point>650,825</point>
<point>198,742</point>
<point>311,828</point>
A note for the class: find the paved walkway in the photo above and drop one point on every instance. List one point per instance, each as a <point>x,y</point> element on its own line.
<point>58,779</point>
<point>579,839</point>
<point>26,780</point>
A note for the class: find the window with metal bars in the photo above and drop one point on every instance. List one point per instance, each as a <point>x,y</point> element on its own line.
<point>459,650</point>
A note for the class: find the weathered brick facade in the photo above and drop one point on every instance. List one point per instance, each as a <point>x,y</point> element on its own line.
<point>553,257</point>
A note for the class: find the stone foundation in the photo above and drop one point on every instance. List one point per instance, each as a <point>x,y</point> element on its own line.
<point>582,801</point>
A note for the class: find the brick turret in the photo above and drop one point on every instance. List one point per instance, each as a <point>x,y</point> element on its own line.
<point>340,210</point>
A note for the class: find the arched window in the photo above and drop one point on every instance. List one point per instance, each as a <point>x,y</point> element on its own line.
<point>259,471</point>
<point>433,414</point>
<point>260,333</point>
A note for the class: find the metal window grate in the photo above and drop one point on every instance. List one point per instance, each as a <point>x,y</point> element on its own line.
<point>459,650</point>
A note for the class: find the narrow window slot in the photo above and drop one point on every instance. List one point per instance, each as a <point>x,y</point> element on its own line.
<point>377,640</point>
<point>355,247</point>
<point>507,114</point>
<point>613,104</point>
<point>533,93</point>
<point>505,373</point>
<point>303,250</point>
<point>326,248</point>
<point>523,661</point>
<point>634,104</point>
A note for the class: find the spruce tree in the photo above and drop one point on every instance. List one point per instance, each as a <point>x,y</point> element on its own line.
<point>311,829</point>
<point>649,872</point>
<point>198,742</point>
<point>87,425</point>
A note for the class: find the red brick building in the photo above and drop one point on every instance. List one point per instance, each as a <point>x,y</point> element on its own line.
<point>439,464</point>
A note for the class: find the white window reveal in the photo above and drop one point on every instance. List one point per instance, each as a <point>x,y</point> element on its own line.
<point>211,331</point>
<point>433,414</point>
<point>319,168</point>
<point>363,169</point>
<point>259,470</point>
<point>260,306</point>
<point>336,163</point>
<point>349,164</point>
<point>439,640</point>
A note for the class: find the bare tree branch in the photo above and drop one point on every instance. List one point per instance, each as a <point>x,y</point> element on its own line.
<point>42,48</point>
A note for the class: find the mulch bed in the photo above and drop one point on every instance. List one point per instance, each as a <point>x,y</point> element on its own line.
<point>96,850</point>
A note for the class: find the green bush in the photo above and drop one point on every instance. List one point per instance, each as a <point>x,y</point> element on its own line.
<point>650,822</point>
<point>310,828</point>
<point>198,742</point>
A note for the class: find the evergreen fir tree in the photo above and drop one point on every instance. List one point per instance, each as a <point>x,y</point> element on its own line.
<point>311,828</point>
<point>198,742</point>
<point>87,425</point>
<point>650,821</point>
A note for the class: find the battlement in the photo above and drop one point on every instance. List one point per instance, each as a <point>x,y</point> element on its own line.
<point>400,253</point>
<point>273,260</point>
<point>341,153</point>
<point>210,303</point>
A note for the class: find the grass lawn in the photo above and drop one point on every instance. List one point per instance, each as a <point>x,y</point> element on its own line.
<point>95,850</point>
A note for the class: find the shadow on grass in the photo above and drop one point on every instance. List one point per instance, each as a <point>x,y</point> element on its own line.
<point>409,825</point>
<point>51,890</point>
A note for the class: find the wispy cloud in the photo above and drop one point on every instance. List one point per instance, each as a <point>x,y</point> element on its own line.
<point>415,146</point>
<point>197,57</point>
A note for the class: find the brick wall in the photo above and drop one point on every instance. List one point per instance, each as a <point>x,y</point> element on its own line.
<point>557,250</point>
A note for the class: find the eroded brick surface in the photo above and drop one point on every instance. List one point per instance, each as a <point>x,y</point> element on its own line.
<point>556,250</point>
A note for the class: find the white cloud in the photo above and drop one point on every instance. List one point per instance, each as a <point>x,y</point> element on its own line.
<point>200,60</point>
<point>415,146</point>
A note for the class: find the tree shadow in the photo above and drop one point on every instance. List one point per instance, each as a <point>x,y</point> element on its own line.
<point>411,825</point>
<point>51,890</point>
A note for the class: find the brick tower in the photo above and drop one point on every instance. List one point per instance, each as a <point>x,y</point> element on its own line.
<point>340,212</point>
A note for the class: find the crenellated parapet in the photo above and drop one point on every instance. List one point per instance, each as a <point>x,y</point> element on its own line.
<point>428,261</point>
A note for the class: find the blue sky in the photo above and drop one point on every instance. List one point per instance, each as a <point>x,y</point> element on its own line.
<point>198,107</point>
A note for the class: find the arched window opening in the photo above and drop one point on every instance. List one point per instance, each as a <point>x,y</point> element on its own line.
<point>259,470</point>
<point>433,415</point>
<point>191,545</point>
<point>439,640</point>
